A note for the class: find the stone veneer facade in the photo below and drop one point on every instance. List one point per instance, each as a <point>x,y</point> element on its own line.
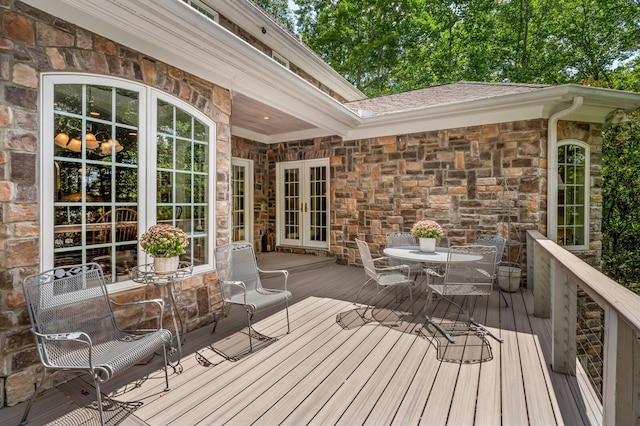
<point>32,42</point>
<point>454,176</point>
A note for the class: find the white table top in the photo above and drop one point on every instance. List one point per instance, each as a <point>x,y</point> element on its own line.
<point>413,253</point>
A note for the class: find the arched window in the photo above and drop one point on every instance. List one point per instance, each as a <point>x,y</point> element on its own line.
<point>573,194</point>
<point>123,157</point>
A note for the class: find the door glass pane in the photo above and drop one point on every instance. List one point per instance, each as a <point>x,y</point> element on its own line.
<point>318,203</point>
<point>238,212</point>
<point>292,204</point>
<point>96,177</point>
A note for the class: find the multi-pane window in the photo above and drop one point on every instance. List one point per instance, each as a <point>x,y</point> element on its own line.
<point>101,188</point>
<point>572,219</point>
<point>95,156</point>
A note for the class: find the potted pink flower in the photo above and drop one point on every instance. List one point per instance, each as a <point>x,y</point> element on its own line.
<point>165,243</point>
<point>427,232</point>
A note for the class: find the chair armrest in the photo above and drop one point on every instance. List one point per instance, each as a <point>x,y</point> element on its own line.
<point>231,285</point>
<point>159,302</point>
<point>278,271</point>
<point>405,268</point>
<point>433,272</point>
<point>72,337</point>
<point>380,258</point>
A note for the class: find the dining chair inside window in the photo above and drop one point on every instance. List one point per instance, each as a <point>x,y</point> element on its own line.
<point>116,226</point>
<point>466,274</point>
<point>383,277</point>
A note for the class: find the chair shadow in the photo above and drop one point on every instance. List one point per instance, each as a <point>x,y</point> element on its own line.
<point>470,347</point>
<point>236,346</point>
<point>359,317</point>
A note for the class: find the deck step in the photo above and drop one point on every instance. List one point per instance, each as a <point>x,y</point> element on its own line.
<point>292,262</point>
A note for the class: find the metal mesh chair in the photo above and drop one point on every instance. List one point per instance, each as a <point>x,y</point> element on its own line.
<point>466,274</point>
<point>499,243</point>
<point>397,239</point>
<point>75,328</point>
<point>240,283</point>
<point>392,276</point>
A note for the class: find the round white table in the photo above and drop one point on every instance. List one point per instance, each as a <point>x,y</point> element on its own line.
<point>413,254</point>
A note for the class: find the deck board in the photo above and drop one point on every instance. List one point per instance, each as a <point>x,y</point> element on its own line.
<point>358,373</point>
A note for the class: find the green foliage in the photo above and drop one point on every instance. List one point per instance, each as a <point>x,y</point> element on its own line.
<point>385,46</point>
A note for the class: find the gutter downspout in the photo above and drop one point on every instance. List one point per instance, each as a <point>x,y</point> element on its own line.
<point>552,167</point>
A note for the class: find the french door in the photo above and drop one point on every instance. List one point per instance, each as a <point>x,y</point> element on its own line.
<point>303,203</point>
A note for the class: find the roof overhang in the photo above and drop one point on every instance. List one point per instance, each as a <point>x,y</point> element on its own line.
<point>542,103</point>
<point>173,32</point>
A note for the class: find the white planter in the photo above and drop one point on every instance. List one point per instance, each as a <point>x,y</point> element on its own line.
<point>509,278</point>
<point>166,265</point>
<point>427,245</point>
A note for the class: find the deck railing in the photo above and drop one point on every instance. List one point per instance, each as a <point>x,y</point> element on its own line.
<point>556,276</point>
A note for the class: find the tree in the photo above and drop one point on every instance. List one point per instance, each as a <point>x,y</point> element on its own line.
<point>279,9</point>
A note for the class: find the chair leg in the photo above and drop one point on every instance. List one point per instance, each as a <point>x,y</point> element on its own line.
<point>96,381</point>
<point>355,302</point>
<point>24,420</point>
<point>430,320</point>
<point>249,315</point>
<point>166,369</point>
<point>506,304</point>
<point>485,329</point>
<point>287,309</point>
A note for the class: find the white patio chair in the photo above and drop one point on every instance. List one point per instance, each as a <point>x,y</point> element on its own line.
<point>75,329</point>
<point>396,239</point>
<point>387,277</point>
<point>240,283</point>
<point>499,243</point>
<point>466,274</point>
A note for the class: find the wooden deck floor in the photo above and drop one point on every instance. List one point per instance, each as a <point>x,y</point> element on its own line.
<point>337,368</point>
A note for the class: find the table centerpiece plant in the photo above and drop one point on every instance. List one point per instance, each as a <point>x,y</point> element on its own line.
<point>165,243</point>
<point>426,232</point>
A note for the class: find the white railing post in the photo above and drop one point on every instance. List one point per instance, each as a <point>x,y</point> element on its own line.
<point>542,278</point>
<point>563,319</point>
<point>621,372</point>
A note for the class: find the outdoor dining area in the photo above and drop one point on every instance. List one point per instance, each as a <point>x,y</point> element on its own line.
<point>350,345</point>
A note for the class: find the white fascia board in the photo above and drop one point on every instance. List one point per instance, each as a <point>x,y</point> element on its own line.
<point>247,16</point>
<point>281,137</point>
<point>192,43</point>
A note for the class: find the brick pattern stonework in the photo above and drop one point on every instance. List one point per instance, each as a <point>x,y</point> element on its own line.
<point>32,42</point>
<point>453,176</point>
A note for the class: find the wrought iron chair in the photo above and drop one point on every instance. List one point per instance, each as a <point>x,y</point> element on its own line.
<point>387,277</point>
<point>240,284</point>
<point>75,328</point>
<point>499,243</point>
<point>396,239</point>
<point>467,274</point>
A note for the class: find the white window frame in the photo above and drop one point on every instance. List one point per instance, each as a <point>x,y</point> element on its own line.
<point>204,9</point>
<point>587,191</point>
<point>279,59</point>
<point>148,98</point>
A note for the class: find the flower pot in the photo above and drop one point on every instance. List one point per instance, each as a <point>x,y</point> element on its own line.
<point>428,245</point>
<point>509,278</point>
<point>166,265</point>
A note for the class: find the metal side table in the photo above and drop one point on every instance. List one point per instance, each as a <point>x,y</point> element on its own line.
<point>145,274</point>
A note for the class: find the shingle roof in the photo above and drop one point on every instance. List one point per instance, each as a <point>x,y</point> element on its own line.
<point>437,95</point>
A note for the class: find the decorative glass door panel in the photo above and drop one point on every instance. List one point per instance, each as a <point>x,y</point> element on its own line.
<point>302,218</point>
<point>242,200</point>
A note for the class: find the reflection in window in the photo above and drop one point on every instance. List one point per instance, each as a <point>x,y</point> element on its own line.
<point>95,174</point>
<point>572,194</point>
<point>182,197</point>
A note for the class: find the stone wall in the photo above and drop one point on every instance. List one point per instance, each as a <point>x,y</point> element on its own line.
<point>32,42</point>
<point>454,176</point>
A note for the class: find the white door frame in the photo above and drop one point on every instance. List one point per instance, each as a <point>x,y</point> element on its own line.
<point>248,198</point>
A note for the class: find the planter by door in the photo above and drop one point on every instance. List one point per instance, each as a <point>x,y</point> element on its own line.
<point>509,278</point>
<point>166,265</point>
<point>428,245</point>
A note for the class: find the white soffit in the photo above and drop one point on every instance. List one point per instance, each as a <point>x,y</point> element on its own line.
<point>173,32</point>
